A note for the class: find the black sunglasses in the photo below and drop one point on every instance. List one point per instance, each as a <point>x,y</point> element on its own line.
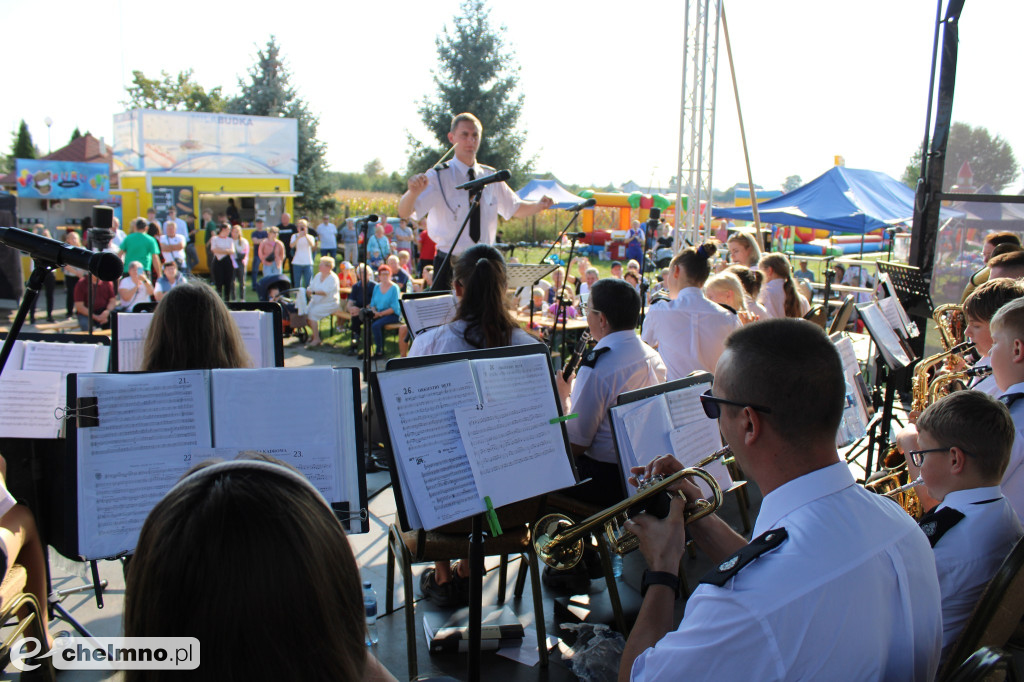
<point>711,404</point>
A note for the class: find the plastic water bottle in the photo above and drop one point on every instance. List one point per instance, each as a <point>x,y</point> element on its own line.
<point>617,565</point>
<point>370,604</point>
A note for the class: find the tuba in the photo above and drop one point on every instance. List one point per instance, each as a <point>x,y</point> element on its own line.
<point>559,542</point>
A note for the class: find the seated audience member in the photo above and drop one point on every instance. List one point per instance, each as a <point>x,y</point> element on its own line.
<point>359,298</point>
<point>1007,329</point>
<point>780,297</point>
<point>616,269</point>
<point>557,287</point>
<point>346,275</point>
<point>965,441</point>
<point>323,297</point>
<point>988,250</point>
<point>170,279</point>
<point>744,250</point>
<point>619,362</point>
<point>193,329</point>
<point>536,305</point>
<point>482,320</point>
<point>405,262</point>
<point>134,287</point>
<point>384,306</point>
<point>554,311</point>
<point>104,300</point>
<point>399,276</point>
<point>248,557</point>
<point>632,279</point>
<point>589,279</point>
<point>428,277</point>
<point>822,545</point>
<point>1007,265</point>
<point>752,280</point>
<point>690,331</point>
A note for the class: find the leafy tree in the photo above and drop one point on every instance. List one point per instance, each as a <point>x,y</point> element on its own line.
<point>268,93</point>
<point>374,168</point>
<point>173,93</point>
<point>75,134</point>
<point>992,159</point>
<point>478,74</point>
<point>21,147</point>
<point>792,182</point>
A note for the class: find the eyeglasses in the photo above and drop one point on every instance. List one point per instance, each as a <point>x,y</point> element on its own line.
<point>586,308</point>
<point>711,404</point>
<point>917,456</point>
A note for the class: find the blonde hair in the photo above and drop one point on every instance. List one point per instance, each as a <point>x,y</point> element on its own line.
<point>327,259</point>
<point>748,242</point>
<point>1011,318</point>
<point>727,281</point>
<point>466,116</point>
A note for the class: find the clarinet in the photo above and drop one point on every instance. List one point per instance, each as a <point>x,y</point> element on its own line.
<point>576,358</point>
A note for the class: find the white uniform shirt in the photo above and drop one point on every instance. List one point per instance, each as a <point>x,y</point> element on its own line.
<point>446,207</point>
<point>852,594</point>
<point>755,307</point>
<point>629,364</point>
<point>1013,477</point>
<point>450,338</point>
<point>969,553</point>
<point>689,332</point>
<point>773,298</point>
<point>988,384</point>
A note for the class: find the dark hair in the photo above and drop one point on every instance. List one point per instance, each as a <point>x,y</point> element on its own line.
<point>976,423</point>
<point>695,262</point>
<point>997,238</point>
<point>792,366</point>
<point>1005,248</point>
<point>480,270</point>
<point>752,279</point>
<point>248,558</point>
<point>779,264</point>
<point>984,301</point>
<point>192,329</point>
<point>141,224</point>
<point>223,226</point>
<point>618,300</point>
<point>1014,259</point>
<point>153,229</point>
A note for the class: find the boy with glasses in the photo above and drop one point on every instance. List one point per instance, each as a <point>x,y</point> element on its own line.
<point>965,442</point>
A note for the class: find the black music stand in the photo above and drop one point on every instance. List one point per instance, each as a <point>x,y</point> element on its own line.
<point>914,293</point>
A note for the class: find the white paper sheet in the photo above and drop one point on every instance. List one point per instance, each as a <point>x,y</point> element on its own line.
<point>503,379</point>
<point>28,401</point>
<point>885,338</point>
<point>427,312</point>
<point>647,427</point>
<point>251,325</point>
<point>149,424</point>
<point>65,358</point>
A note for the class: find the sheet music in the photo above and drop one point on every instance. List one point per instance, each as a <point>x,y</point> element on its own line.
<point>17,356</point>
<point>693,435</point>
<point>304,434</point>
<point>890,308</point>
<point>65,358</point>
<point>501,437</point>
<point>250,324</point>
<point>131,335</point>
<point>428,312</point>
<point>886,339</point>
<point>885,282</point>
<point>28,400</point>
<point>647,425</point>
<point>504,379</point>
<point>149,425</point>
<point>436,475</point>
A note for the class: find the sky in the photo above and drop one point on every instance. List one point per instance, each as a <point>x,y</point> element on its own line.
<point>601,80</point>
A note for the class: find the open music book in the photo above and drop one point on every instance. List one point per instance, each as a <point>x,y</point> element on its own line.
<point>132,436</point>
<point>889,345</point>
<point>427,309</point>
<point>129,334</point>
<point>33,385</point>
<point>668,419</point>
<point>855,414</point>
<point>467,426</point>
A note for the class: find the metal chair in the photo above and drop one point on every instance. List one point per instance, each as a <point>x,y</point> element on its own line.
<point>817,315</point>
<point>987,664</point>
<point>14,598</point>
<point>843,315</point>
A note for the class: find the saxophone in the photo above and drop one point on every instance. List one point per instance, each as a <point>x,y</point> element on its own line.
<point>920,383</point>
<point>943,385</point>
<point>952,324</point>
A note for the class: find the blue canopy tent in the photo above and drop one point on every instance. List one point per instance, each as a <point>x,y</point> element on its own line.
<point>534,190</point>
<point>839,200</point>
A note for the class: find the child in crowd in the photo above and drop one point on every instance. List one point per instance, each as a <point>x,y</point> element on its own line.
<point>965,441</point>
<point>1007,329</point>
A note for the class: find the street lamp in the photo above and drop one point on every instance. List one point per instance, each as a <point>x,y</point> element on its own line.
<point>49,146</point>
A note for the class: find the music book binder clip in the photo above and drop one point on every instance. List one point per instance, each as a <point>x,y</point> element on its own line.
<point>492,518</point>
<point>86,413</point>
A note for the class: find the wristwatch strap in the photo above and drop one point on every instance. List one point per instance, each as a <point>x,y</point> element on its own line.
<point>659,578</point>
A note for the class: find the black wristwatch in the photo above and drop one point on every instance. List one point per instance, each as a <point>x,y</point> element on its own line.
<point>659,578</point>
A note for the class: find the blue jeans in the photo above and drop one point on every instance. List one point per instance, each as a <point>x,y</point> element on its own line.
<point>274,269</point>
<point>301,275</point>
<point>333,253</point>
<point>377,329</point>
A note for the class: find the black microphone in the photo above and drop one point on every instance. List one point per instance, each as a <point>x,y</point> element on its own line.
<point>575,236</point>
<point>366,220</point>
<point>474,185</point>
<point>105,265</point>
<point>583,204</point>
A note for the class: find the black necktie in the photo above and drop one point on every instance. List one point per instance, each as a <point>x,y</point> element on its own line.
<point>474,216</point>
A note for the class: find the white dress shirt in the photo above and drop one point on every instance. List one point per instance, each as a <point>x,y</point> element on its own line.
<point>988,384</point>
<point>1013,477</point>
<point>628,364</point>
<point>689,332</point>
<point>450,338</point>
<point>446,207</point>
<point>852,594</point>
<point>969,553</point>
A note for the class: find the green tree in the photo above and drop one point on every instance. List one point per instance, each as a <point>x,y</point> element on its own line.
<point>791,183</point>
<point>374,168</point>
<point>991,158</point>
<point>22,147</point>
<point>478,74</point>
<point>268,93</point>
<point>75,134</point>
<point>172,93</point>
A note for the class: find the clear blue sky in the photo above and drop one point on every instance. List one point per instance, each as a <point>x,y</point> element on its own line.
<point>601,80</point>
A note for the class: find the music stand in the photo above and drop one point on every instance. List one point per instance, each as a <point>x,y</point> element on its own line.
<point>843,315</point>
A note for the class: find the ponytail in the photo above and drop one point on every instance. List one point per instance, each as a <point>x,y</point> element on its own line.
<point>779,264</point>
<point>695,262</point>
<point>481,272</point>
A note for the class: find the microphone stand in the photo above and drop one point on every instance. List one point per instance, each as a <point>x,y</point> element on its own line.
<point>561,294</point>
<point>366,319</point>
<point>474,202</point>
<point>561,301</point>
<point>28,301</point>
<point>652,223</point>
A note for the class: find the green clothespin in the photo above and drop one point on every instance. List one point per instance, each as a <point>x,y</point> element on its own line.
<point>492,518</point>
<point>571,415</point>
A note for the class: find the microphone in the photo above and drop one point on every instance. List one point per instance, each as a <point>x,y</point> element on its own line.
<point>366,220</point>
<point>478,184</point>
<point>105,265</point>
<point>583,204</point>
<point>575,236</point>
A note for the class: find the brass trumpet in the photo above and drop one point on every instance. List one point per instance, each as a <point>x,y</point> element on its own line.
<point>559,542</point>
<point>894,485</point>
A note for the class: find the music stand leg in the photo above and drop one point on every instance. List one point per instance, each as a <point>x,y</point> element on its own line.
<point>476,580</point>
<point>28,301</point>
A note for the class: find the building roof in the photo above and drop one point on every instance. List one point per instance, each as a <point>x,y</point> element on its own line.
<point>84,149</point>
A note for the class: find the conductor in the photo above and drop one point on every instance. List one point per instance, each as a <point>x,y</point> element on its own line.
<point>433,194</point>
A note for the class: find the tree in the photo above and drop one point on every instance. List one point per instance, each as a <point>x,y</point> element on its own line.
<point>476,73</point>
<point>172,93</point>
<point>791,183</point>
<point>374,168</point>
<point>21,147</point>
<point>268,93</point>
<point>991,159</point>
<point>75,134</point>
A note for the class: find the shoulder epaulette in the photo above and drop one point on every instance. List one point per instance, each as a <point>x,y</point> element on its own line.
<point>592,356</point>
<point>937,524</point>
<point>725,571</point>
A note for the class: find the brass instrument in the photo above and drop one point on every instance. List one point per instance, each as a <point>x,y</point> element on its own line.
<point>894,485</point>
<point>943,385</point>
<point>952,324</point>
<point>919,384</point>
<point>572,365</point>
<point>559,542</point>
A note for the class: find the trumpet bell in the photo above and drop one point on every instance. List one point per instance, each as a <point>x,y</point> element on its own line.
<point>558,555</point>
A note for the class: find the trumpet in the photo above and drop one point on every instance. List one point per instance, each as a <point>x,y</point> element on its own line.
<point>894,486</point>
<point>559,542</point>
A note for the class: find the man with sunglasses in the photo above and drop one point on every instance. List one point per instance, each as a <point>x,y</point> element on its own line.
<point>838,583</point>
